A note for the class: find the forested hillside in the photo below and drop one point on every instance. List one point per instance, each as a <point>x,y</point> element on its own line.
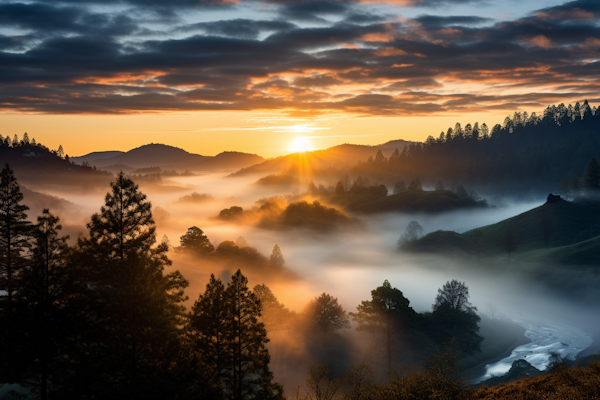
<point>526,155</point>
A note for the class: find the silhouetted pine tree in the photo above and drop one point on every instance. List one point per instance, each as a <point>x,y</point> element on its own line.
<point>277,257</point>
<point>140,308</point>
<point>249,376</point>
<point>45,314</point>
<point>14,235</point>
<point>14,230</point>
<point>386,313</point>
<point>591,179</point>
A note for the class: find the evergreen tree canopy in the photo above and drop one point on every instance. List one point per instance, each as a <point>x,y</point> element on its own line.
<point>196,241</point>
<point>591,179</point>
<point>277,257</point>
<point>275,315</point>
<point>388,312</point>
<point>327,314</point>
<point>139,309</point>
<point>14,231</point>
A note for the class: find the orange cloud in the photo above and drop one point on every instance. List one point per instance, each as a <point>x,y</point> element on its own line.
<point>575,14</point>
<point>542,41</point>
<point>377,37</point>
<point>389,51</point>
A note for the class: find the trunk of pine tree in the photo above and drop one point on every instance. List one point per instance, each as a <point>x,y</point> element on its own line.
<point>389,348</point>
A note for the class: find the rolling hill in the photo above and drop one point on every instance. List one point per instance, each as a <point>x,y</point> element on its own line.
<point>306,163</point>
<point>558,231</point>
<point>169,158</point>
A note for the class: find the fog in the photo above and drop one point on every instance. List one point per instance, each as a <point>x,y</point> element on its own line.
<point>345,262</point>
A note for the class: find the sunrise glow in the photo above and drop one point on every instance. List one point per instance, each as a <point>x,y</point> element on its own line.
<point>301,144</point>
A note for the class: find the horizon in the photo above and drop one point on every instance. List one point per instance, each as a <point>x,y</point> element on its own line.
<point>252,76</point>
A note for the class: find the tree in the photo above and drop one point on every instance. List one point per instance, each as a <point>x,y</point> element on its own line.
<point>339,188</point>
<point>400,186</point>
<point>413,231</point>
<point>15,141</point>
<point>327,314</point>
<point>509,242</point>
<point>456,294</point>
<point>379,158</point>
<point>249,376</point>
<point>591,179</point>
<point>26,138</point>
<point>275,315</point>
<point>60,152</point>
<point>241,242</point>
<point>138,309</point>
<point>361,382</point>
<point>196,241</point>
<point>455,317</point>
<point>319,385</point>
<point>277,259</point>
<point>14,232</point>
<point>439,186</point>
<point>45,291</point>
<point>415,185</point>
<point>312,189</point>
<point>387,312</point>
<point>209,323</point>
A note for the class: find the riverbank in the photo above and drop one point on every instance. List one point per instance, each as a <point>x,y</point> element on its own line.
<point>518,339</point>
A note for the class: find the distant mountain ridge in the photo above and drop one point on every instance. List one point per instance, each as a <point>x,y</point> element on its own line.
<point>344,155</point>
<point>169,157</point>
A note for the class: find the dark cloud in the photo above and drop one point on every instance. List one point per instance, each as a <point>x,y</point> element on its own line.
<point>239,28</point>
<point>47,19</point>
<point>312,10</point>
<point>436,21</point>
<point>445,3</point>
<point>72,59</point>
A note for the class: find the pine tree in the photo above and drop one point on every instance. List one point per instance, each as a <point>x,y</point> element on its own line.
<point>209,324</point>
<point>249,376</point>
<point>379,158</point>
<point>15,141</point>
<point>400,186</point>
<point>386,313</point>
<point>275,315</point>
<point>14,235</point>
<point>277,259</point>
<point>140,307</point>
<point>60,152</point>
<point>14,231</point>
<point>26,138</point>
<point>196,241</point>
<point>339,188</point>
<point>591,179</point>
<point>325,313</point>
<point>45,289</point>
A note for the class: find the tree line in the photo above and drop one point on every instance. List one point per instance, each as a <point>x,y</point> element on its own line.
<point>527,154</point>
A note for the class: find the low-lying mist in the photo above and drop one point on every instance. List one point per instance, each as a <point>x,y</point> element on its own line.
<point>346,263</point>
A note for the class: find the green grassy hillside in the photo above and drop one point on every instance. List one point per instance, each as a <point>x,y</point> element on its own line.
<point>548,226</point>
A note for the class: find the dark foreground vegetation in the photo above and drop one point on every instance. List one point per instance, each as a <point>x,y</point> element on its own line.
<point>105,318</point>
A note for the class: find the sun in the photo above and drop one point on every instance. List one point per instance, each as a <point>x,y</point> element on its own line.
<point>300,144</point>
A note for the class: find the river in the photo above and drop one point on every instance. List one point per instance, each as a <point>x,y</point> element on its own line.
<point>546,336</point>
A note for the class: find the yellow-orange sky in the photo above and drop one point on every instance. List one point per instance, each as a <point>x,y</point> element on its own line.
<point>209,133</point>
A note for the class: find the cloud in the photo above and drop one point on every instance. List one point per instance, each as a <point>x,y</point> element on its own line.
<point>239,28</point>
<point>66,58</point>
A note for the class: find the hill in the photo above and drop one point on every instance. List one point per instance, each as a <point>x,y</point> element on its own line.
<point>560,232</point>
<point>169,158</point>
<point>36,165</point>
<point>525,157</point>
<point>311,162</point>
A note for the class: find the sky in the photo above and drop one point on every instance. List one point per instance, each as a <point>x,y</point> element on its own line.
<point>252,75</point>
